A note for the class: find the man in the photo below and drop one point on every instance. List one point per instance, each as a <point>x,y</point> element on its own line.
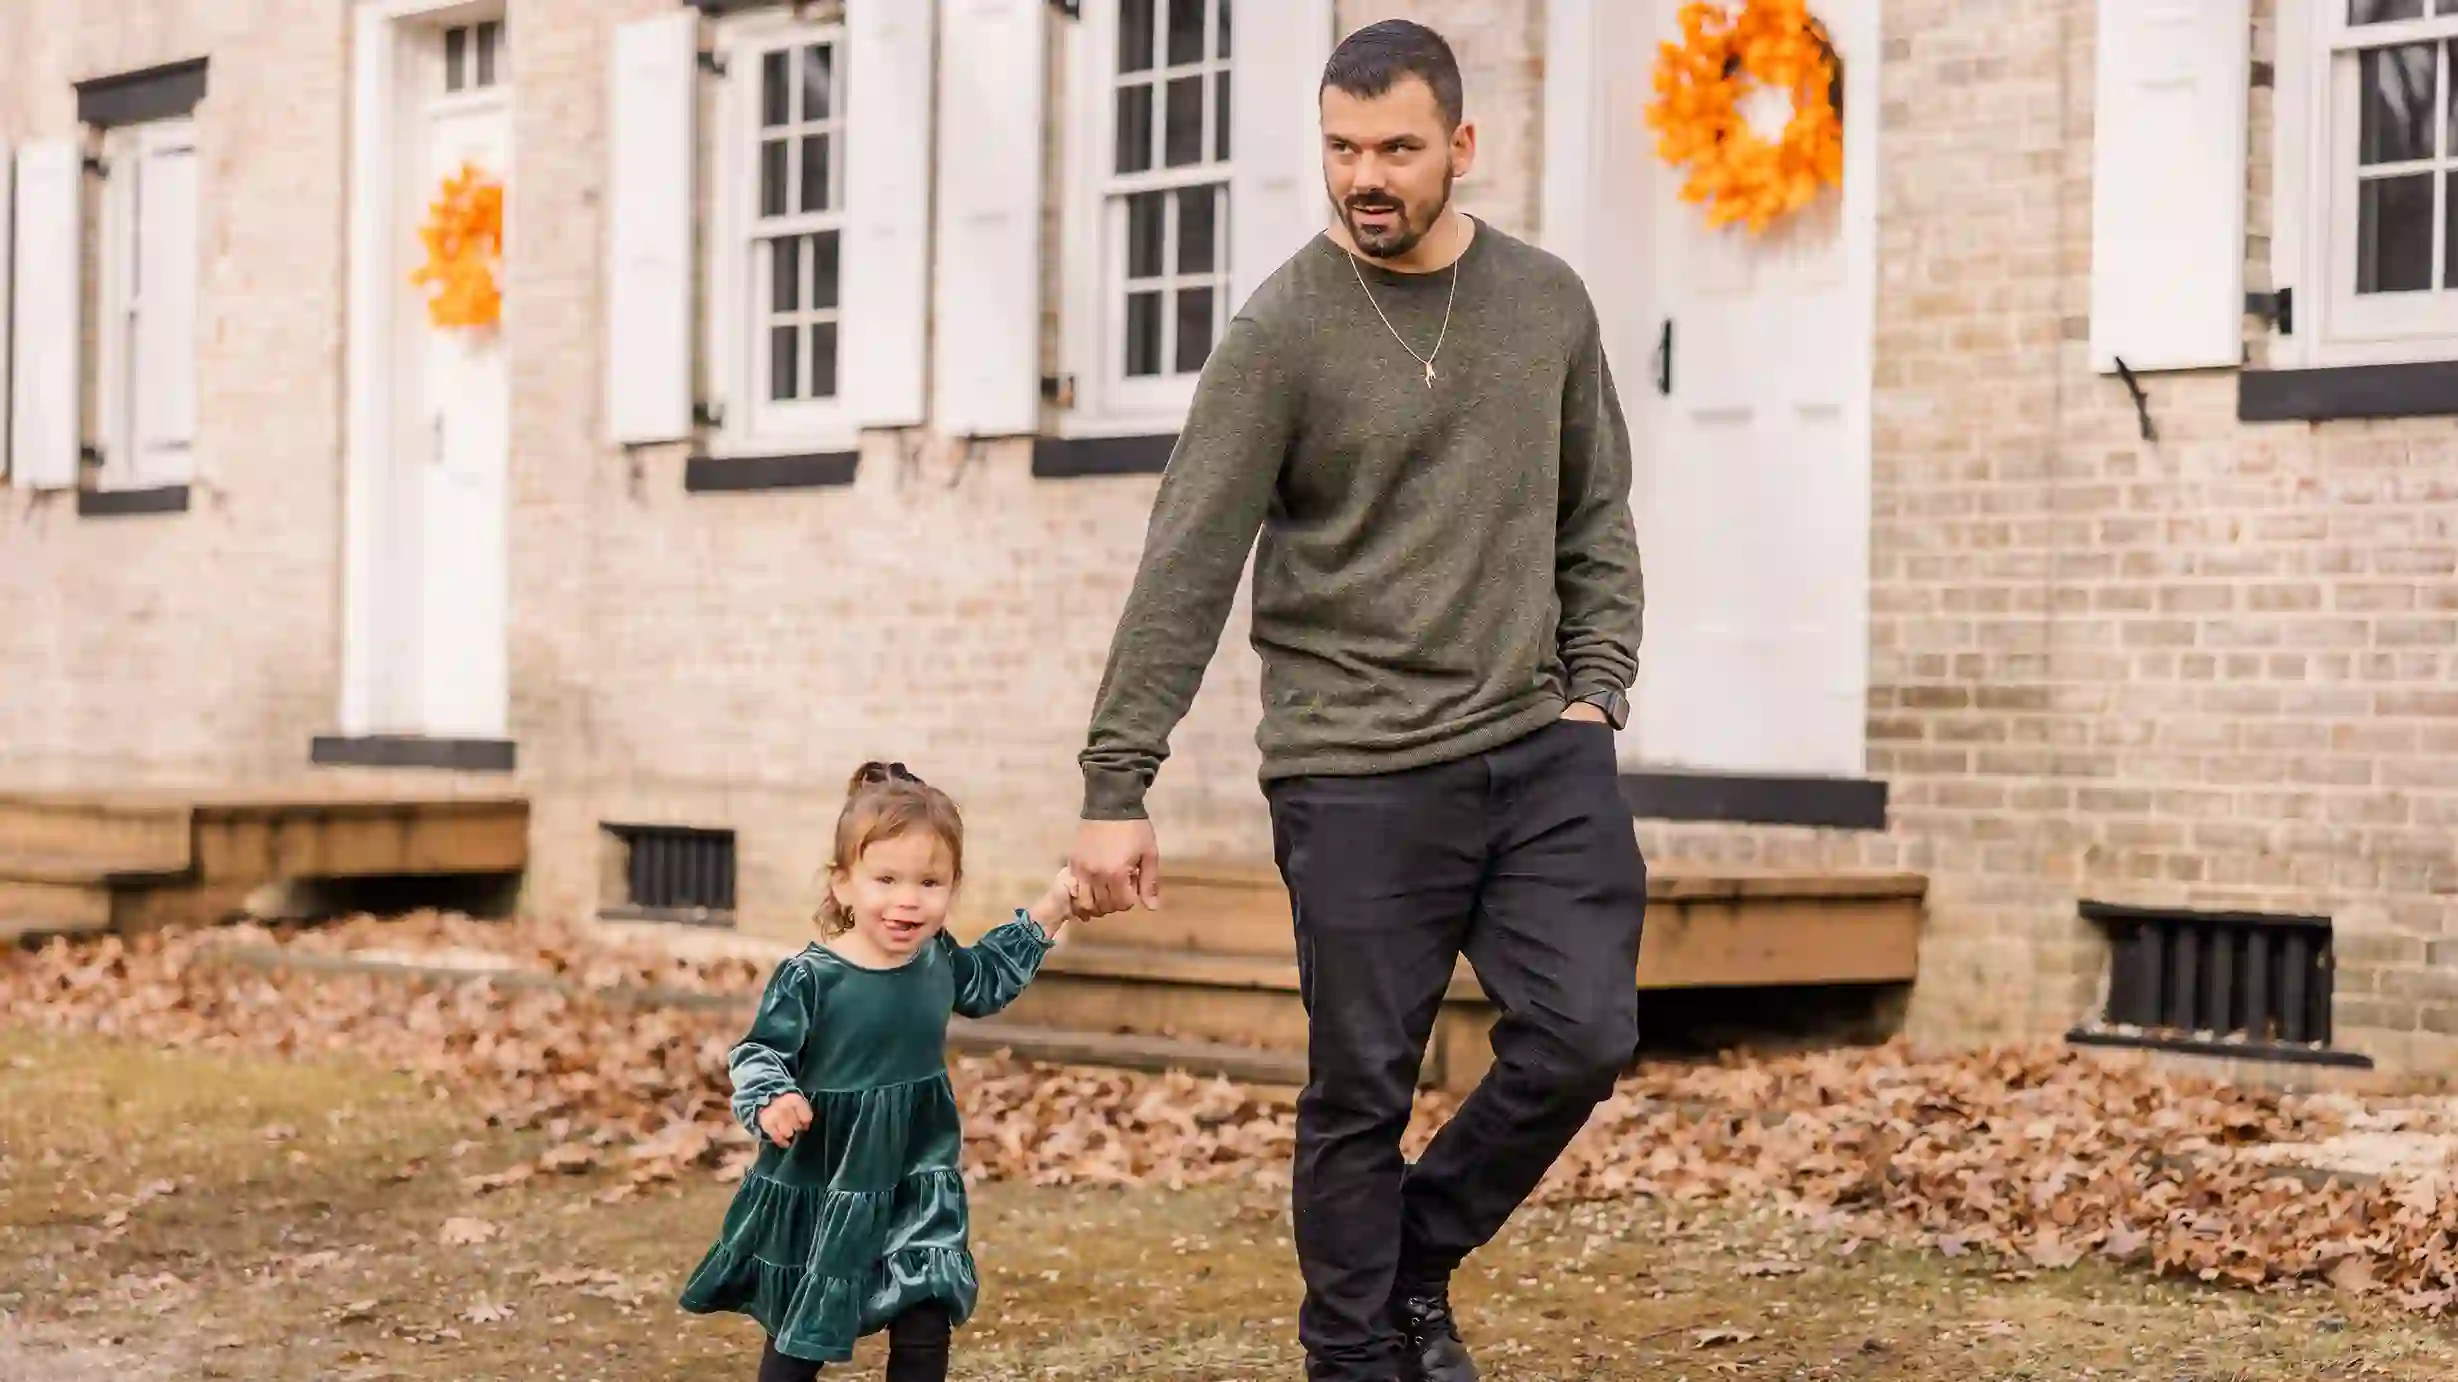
<point>1415,414</point>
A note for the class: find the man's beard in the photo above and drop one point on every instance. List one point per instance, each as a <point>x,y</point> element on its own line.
<point>1406,230</point>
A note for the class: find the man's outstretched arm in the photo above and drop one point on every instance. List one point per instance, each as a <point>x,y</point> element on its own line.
<point>1211,504</point>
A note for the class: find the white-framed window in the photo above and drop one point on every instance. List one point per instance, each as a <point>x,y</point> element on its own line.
<point>778,249</point>
<point>1154,129</point>
<point>146,363</point>
<point>2367,193</point>
<point>476,56</point>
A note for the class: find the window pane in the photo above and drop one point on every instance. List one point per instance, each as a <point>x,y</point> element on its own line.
<point>2398,106</point>
<point>1134,128</point>
<point>1144,213</point>
<point>2384,11</point>
<point>824,270</point>
<point>783,361</point>
<point>456,59</point>
<point>2449,229</point>
<point>1220,118</point>
<point>487,34</point>
<point>772,177</point>
<point>1135,35</point>
<point>1186,121</point>
<point>823,360</point>
<point>1185,31</point>
<point>1143,333</point>
<point>1196,252</point>
<point>773,78</point>
<point>785,274</point>
<point>2394,234</point>
<point>818,81</point>
<point>1222,49</point>
<point>1194,328</point>
<point>2449,95</point>
<point>815,160</point>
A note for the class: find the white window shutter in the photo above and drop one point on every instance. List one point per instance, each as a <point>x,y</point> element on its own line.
<point>44,420</point>
<point>2168,184</point>
<point>166,345</point>
<point>8,226</point>
<point>986,316</point>
<point>1276,197</point>
<point>886,293</point>
<point>649,205</point>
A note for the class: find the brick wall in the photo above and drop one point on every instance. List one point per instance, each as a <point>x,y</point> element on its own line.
<point>2211,671</point>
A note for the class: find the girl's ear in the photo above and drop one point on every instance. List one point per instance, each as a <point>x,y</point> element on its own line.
<point>840,887</point>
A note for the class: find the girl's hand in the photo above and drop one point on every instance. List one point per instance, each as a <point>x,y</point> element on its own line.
<point>784,1118</point>
<point>1056,906</point>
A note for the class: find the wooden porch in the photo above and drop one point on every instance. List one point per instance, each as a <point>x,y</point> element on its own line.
<point>1217,964</point>
<point>81,863</point>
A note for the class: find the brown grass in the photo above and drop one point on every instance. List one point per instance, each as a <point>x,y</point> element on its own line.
<point>301,1237</point>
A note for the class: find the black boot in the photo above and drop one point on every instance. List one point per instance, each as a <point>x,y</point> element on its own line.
<point>1430,1348</point>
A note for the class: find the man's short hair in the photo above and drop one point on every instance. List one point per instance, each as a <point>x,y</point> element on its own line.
<point>1372,60</point>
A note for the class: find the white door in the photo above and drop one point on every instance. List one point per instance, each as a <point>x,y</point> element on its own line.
<point>1743,367</point>
<point>459,557</point>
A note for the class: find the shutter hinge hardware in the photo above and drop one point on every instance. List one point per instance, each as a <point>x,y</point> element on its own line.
<point>90,456</point>
<point>2278,309</point>
<point>98,166</point>
<point>1059,389</point>
<point>708,414</point>
<point>1073,9</point>
<point>712,63</point>
<point>2142,401</point>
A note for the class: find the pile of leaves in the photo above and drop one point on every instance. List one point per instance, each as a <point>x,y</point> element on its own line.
<point>2034,1157</point>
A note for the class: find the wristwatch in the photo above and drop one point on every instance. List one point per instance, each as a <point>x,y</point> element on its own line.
<point>1614,704</point>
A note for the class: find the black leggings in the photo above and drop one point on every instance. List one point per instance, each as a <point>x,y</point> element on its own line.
<point>917,1350</point>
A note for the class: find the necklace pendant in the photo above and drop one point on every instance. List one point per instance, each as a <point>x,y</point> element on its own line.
<point>1429,375</point>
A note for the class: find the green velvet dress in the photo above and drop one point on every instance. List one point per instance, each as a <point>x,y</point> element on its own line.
<point>863,1217</point>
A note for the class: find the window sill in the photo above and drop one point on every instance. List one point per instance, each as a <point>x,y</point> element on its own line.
<point>128,503</point>
<point>2348,392</point>
<point>1829,803</point>
<point>2283,1052</point>
<point>724,474</point>
<point>1056,458</point>
<point>411,751</point>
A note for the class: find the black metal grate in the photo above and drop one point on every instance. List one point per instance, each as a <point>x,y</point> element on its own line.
<point>2239,976</point>
<point>670,869</point>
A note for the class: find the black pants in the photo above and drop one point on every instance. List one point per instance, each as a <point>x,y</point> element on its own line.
<point>1521,858</point>
<point>917,1350</point>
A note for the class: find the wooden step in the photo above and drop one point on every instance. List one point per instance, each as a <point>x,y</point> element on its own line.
<point>34,909</point>
<point>316,838</point>
<point>131,834</point>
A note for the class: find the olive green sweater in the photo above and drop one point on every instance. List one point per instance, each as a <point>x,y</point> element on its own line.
<point>1441,569</point>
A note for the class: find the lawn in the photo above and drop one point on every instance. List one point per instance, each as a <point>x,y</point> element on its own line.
<point>172,1213</point>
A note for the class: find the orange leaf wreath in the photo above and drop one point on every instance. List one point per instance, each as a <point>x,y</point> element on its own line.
<point>464,236</point>
<point>1726,50</point>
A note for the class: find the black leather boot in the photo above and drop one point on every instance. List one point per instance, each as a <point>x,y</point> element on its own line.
<point>1430,1348</point>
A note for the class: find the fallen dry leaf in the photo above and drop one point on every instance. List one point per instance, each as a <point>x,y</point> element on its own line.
<point>1715,1338</point>
<point>462,1232</point>
<point>484,1311</point>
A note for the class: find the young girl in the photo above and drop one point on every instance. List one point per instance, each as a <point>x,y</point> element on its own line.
<point>853,1219</point>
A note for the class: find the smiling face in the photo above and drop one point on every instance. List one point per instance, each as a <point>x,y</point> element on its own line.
<point>898,893</point>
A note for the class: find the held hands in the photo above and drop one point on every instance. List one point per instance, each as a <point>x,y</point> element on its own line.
<point>1117,865</point>
<point>785,1117</point>
<point>1056,906</point>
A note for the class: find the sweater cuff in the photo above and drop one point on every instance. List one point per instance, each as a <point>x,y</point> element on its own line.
<point>1593,679</point>
<point>1113,795</point>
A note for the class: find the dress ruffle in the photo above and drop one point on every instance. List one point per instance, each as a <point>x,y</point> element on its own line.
<point>820,1268</point>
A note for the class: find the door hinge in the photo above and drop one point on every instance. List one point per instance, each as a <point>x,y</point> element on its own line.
<point>2278,309</point>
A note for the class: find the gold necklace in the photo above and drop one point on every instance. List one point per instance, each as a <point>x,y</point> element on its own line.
<point>1439,336</point>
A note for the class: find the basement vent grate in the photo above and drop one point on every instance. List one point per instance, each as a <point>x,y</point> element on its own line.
<point>675,873</point>
<point>2216,983</point>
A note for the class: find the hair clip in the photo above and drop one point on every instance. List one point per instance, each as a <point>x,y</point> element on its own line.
<point>875,773</point>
